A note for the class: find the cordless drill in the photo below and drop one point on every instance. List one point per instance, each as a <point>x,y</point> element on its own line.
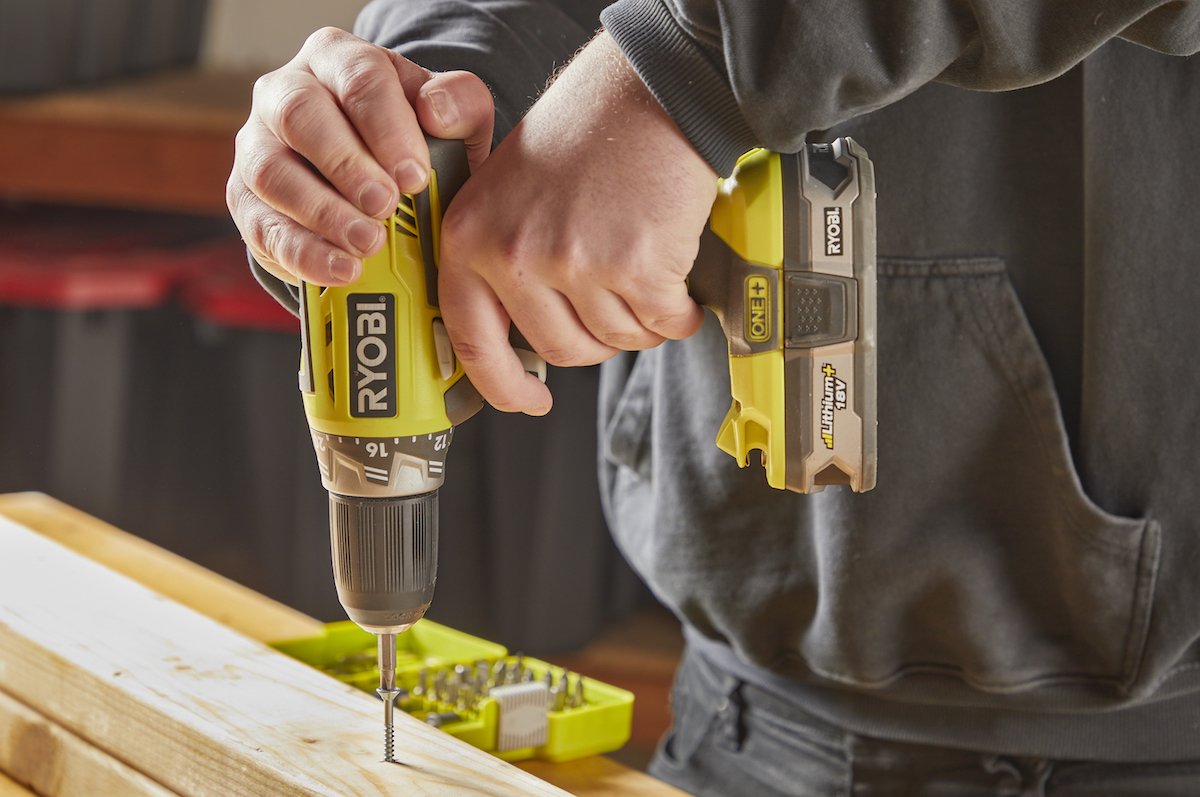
<point>383,392</point>
<point>787,264</point>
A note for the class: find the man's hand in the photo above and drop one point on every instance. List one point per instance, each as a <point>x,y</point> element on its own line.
<point>580,228</point>
<point>333,137</point>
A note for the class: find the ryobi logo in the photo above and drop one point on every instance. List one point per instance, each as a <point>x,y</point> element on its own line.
<point>833,232</point>
<point>373,379</point>
<point>758,308</point>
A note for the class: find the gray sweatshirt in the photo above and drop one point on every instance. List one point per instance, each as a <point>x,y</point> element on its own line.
<point>1024,578</point>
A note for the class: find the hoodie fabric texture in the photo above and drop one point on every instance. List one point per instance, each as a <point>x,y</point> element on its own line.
<point>1025,578</point>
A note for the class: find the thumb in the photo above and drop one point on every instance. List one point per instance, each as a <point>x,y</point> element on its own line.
<point>458,105</point>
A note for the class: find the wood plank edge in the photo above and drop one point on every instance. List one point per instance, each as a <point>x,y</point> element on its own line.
<point>139,674</point>
<point>10,788</point>
<point>43,756</point>
<point>169,574</point>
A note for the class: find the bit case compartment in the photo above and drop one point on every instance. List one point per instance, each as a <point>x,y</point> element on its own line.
<point>583,716</point>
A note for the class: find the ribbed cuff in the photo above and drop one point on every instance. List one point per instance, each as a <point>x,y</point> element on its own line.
<point>690,87</point>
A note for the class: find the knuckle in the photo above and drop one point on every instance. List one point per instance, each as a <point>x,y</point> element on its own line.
<point>566,356</point>
<point>362,78</point>
<point>325,37</point>
<point>263,86</point>
<point>263,171</point>
<point>271,235</point>
<point>235,191</point>
<point>470,352</point>
<point>284,247</point>
<point>674,325</point>
<point>276,239</point>
<point>341,169</point>
<point>295,108</point>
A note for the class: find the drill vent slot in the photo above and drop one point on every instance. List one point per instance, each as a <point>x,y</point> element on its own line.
<point>328,353</point>
<point>405,218</point>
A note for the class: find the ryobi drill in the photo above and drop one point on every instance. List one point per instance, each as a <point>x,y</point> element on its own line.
<point>788,265</point>
<point>383,391</point>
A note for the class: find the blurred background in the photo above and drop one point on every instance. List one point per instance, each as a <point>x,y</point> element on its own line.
<point>146,379</point>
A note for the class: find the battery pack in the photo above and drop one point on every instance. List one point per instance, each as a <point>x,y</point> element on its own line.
<point>788,266</point>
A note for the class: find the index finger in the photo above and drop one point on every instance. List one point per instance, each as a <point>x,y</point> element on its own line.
<point>376,90</point>
<point>478,326</point>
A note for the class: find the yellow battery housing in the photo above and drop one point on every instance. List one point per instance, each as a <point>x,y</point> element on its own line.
<point>747,215</point>
<point>788,266</point>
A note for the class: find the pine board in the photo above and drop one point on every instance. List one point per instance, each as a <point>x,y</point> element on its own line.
<point>220,598</point>
<point>56,763</point>
<point>196,706</point>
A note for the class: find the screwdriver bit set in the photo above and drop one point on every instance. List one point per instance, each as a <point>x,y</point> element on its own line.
<point>513,706</point>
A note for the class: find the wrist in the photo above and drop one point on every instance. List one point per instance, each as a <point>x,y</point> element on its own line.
<point>692,86</point>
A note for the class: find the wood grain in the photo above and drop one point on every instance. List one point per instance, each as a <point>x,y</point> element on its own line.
<point>54,762</point>
<point>261,618</point>
<point>194,586</point>
<point>199,708</point>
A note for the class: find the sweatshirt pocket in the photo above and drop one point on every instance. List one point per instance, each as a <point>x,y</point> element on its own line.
<point>980,556</point>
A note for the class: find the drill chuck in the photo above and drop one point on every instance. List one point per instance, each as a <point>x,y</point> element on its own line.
<point>384,558</point>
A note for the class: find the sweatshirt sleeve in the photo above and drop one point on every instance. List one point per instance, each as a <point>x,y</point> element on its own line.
<point>513,45</point>
<point>735,74</point>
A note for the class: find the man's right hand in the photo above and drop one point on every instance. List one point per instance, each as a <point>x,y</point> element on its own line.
<point>333,137</point>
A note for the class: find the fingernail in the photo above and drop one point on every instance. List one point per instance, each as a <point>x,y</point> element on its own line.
<point>343,270</point>
<point>376,200</point>
<point>445,108</point>
<point>363,235</point>
<point>410,176</point>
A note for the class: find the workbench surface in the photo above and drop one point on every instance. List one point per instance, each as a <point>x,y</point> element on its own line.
<point>255,616</point>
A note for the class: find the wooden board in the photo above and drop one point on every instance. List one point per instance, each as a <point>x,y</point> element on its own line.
<point>54,762</point>
<point>598,775</point>
<point>199,708</point>
<point>10,788</point>
<point>215,596</point>
<point>262,618</point>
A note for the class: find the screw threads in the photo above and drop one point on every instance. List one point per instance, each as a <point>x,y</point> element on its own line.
<point>388,745</point>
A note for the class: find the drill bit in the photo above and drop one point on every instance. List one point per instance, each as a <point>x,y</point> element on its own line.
<point>387,690</point>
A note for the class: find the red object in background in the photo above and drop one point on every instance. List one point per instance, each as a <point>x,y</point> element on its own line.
<point>66,258</point>
<point>74,259</point>
<point>87,280</point>
<point>220,289</point>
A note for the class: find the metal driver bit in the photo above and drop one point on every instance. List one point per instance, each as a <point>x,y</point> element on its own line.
<point>387,690</point>
<point>561,693</point>
<point>482,671</point>
<point>577,700</point>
